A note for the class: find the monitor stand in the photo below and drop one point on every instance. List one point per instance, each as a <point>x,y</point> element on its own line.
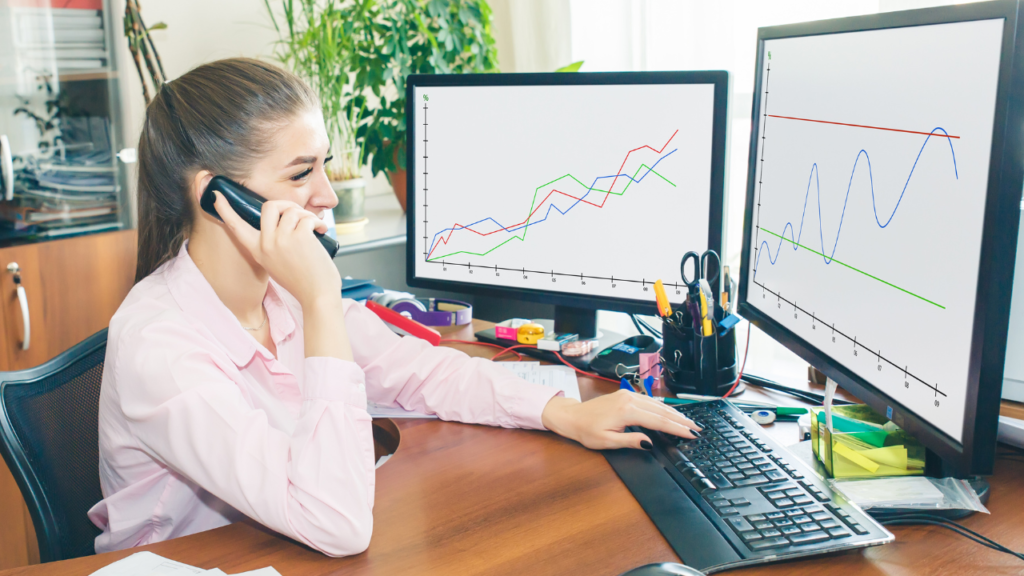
<point>568,320</point>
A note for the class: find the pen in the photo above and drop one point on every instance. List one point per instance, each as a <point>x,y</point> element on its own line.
<point>659,294</point>
<point>704,315</point>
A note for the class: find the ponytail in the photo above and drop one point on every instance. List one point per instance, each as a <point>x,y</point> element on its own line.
<point>218,117</point>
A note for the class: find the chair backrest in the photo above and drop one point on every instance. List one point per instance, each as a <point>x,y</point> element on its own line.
<point>49,437</point>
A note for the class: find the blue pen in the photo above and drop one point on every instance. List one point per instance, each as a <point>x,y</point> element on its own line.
<point>648,383</point>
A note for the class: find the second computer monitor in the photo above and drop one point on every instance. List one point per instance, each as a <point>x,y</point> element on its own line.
<point>580,189</point>
<point>882,211</point>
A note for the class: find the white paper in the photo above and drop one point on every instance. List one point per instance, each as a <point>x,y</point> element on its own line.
<point>830,391</point>
<point>880,491</point>
<point>558,377</point>
<point>149,564</point>
<point>381,411</point>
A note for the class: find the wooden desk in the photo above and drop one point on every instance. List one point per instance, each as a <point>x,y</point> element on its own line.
<point>461,499</point>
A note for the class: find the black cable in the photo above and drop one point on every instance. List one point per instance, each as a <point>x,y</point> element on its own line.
<point>909,519</point>
<point>654,332</point>
<point>636,324</point>
<point>806,395</point>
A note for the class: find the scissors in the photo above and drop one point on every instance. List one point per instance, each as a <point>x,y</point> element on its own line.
<point>700,269</point>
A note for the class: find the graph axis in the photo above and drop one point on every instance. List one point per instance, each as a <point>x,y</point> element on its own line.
<point>852,339</point>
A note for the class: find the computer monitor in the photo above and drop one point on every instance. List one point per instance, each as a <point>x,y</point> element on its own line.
<point>573,189</point>
<point>882,212</point>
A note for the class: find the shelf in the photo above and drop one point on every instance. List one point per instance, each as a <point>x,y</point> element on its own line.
<point>87,75</point>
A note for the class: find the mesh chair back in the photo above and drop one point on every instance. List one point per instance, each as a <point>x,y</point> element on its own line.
<point>49,426</point>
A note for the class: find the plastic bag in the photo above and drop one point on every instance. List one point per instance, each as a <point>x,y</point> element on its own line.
<point>910,492</point>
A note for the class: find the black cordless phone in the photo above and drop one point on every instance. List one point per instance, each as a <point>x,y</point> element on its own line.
<point>248,205</point>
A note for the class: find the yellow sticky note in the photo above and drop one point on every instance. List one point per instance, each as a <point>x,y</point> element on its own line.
<point>854,457</point>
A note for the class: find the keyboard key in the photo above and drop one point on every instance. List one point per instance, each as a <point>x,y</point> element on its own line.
<point>802,500</point>
<point>818,516</point>
<point>756,518</point>
<point>734,476</point>
<point>728,511</point>
<point>783,503</point>
<point>768,543</point>
<point>796,475</point>
<point>765,525</point>
<point>764,467</point>
<point>703,484</point>
<point>782,522</point>
<point>740,502</point>
<point>812,527</point>
<point>827,524</point>
<point>752,481</point>
<point>758,461</point>
<point>692,473</point>
<point>720,503</point>
<point>745,466</point>
<point>719,480</point>
<point>716,496</point>
<point>773,475</point>
<point>774,515</point>
<point>729,470</point>
<point>857,528</point>
<point>801,519</point>
<point>739,524</point>
<point>794,512</point>
<point>838,533</point>
<point>770,533</point>
<point>812,509</point>
<point>794,492</point>
<point>788,530</point>
<point>809,538</point>
<point>738,459</point>
<point>751,536</point>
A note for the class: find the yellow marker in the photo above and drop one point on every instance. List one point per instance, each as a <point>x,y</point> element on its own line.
<point>706,322</point>
<point>663,306</point>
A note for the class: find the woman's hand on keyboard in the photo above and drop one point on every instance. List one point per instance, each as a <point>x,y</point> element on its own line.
<point>600,423</point>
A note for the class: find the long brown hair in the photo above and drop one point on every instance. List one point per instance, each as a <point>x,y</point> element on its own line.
<point>219,117</point>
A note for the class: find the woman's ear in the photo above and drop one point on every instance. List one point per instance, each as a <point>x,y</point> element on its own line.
<point>199,183</point>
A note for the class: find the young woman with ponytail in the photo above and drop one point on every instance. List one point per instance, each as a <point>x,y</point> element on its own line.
<point>236,377</point>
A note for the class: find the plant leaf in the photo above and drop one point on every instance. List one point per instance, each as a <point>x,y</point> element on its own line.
<point>574,67</point>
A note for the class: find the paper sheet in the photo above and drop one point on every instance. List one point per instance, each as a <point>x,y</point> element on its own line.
<point>559,377</point>
<point>149,564</point>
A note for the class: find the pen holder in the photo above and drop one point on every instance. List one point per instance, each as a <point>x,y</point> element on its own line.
<point>696,364</point>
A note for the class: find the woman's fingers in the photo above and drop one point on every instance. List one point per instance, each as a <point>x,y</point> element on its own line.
<point>648,403</point>
<point>637,415</point>
<point>246,234</point>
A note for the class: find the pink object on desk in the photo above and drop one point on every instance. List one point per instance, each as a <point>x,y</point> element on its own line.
<point>650,365</point>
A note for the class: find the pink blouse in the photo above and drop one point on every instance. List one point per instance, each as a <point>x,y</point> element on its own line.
<point>199,425</point>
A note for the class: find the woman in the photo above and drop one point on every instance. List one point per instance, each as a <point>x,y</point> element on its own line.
<point>236,378</point>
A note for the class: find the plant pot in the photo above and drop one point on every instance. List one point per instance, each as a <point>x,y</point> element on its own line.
<point>351,200</point>
<point>398,184</point>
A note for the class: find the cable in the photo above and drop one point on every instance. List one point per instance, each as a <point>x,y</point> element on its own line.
<point>564,361</point>
<point>746,354</point>
<point>806,395</point>
<point>910,519</point>
<point>636,323</point>
<point>450,340</point>
<point>643,323</point>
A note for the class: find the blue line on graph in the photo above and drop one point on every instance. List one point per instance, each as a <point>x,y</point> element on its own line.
<point>551,205</point>
<point>874,207</point>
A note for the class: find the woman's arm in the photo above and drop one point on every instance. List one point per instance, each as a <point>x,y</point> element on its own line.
<point>186,409</point>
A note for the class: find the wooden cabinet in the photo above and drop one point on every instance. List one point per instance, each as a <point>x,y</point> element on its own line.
<point>72,288</point>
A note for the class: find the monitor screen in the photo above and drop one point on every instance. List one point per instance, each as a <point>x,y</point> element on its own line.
<point>869,203</point>
<point>591,190</point>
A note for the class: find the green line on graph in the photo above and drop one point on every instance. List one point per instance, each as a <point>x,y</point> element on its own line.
<point>852,268</point>
<point>521,238</point>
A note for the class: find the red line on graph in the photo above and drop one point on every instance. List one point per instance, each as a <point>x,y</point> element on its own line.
<point>863,126</point>
<point>458,226</point>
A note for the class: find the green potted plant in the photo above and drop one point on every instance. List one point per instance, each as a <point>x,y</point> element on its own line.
<point>378,43</point>
<point>316,44</point>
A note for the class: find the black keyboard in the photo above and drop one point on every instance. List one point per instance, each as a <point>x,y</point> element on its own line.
<point>734,497</point>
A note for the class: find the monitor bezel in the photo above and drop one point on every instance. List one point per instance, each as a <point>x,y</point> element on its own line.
<point>976,453</point>
<point>716,215</point>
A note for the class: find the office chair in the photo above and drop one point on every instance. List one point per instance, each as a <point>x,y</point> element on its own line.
<point>49,438</point>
